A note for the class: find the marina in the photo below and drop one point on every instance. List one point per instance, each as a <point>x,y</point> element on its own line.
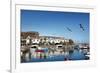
<point>56,52</point>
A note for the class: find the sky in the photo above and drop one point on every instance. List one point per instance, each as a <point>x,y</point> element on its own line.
<point>54,23</point>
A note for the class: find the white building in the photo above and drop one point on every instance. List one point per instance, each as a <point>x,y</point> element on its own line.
<point>53,39</point>
<point>35,40</point>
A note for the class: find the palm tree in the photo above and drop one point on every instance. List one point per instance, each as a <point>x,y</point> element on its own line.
<point>71,42</point>
<point>70,46</point>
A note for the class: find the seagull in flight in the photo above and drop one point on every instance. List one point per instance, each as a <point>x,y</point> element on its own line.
<point>69,29</point>
<point>81,27</point>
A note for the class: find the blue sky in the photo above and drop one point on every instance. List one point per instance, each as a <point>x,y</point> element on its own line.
<point>52,23</point>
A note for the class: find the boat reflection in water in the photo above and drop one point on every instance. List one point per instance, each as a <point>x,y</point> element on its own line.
<point>43,55</point>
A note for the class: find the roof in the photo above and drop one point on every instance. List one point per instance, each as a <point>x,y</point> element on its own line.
<point>32,34</point>
<point>52,37</point>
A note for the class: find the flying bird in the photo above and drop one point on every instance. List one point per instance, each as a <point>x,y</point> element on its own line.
<point>81,27</point>
<point>69,29</point>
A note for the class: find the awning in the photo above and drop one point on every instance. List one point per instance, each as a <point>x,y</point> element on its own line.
<point>39,51</point>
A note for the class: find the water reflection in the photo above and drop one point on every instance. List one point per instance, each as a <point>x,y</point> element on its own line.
<point>75,54</point>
